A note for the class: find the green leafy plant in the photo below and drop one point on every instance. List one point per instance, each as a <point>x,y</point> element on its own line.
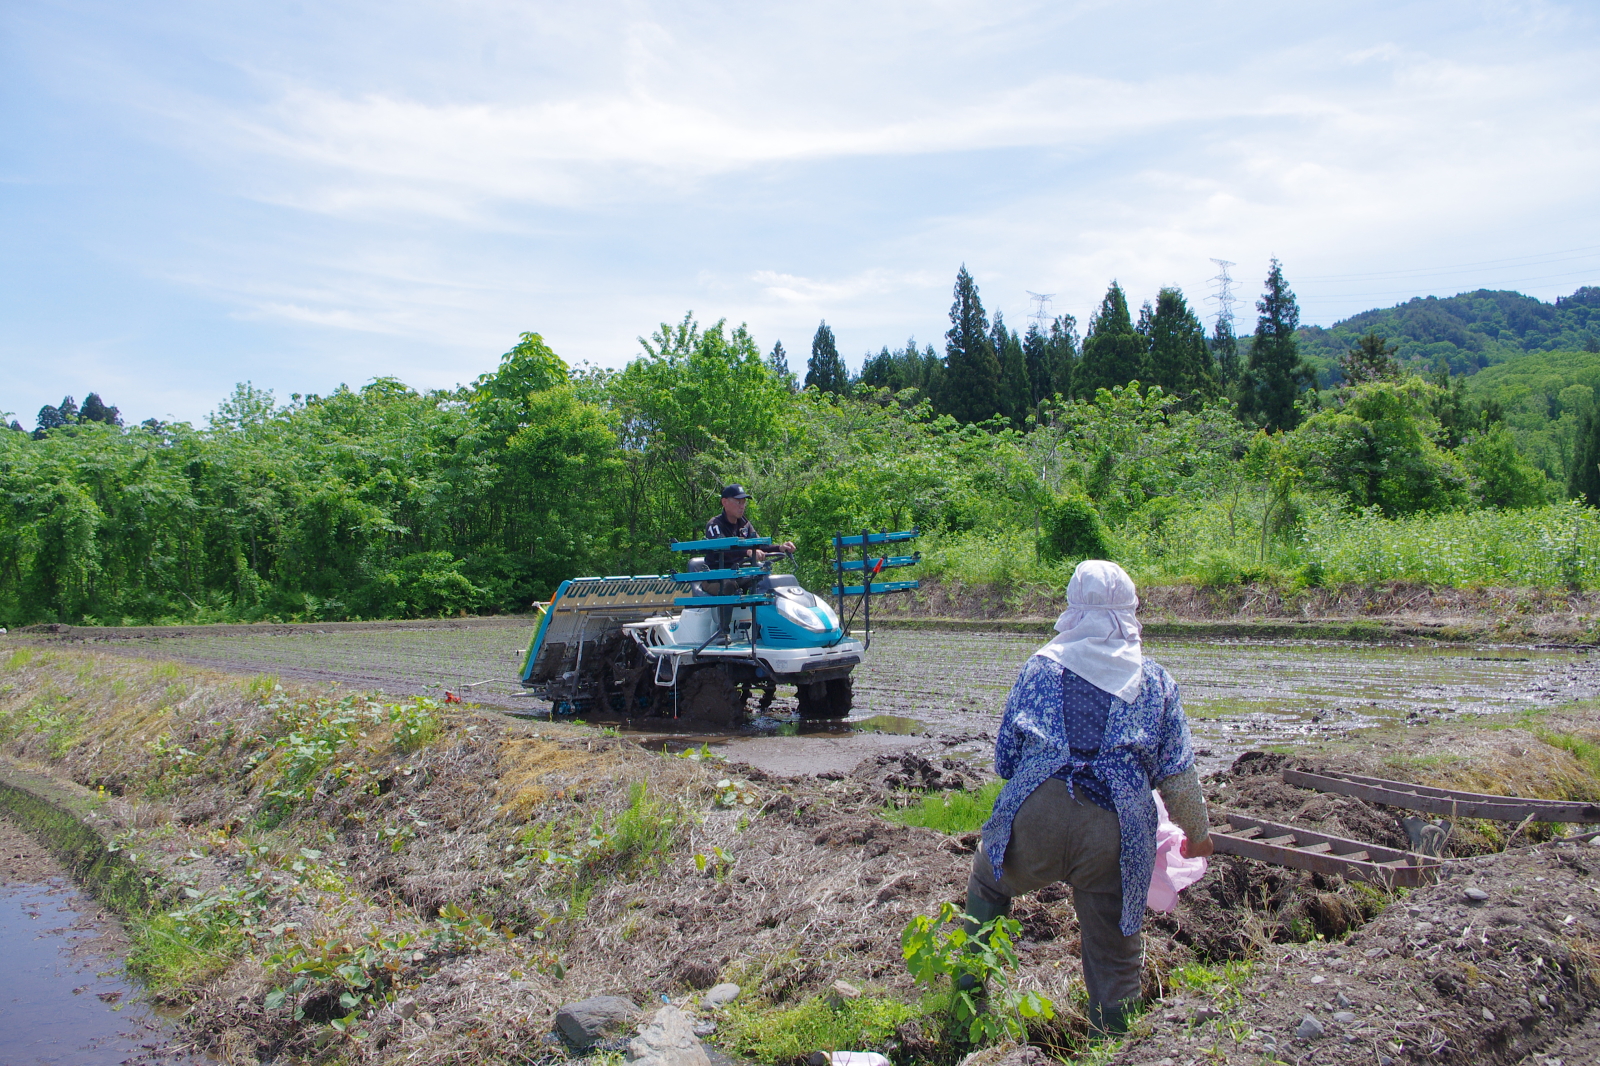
<point>975,971</point>
<point>360,974</point>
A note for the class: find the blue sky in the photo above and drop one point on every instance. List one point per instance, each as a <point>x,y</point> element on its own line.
<point>194,194</point>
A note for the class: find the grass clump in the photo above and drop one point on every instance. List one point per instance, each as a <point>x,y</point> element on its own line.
<point>1586,752</point>
<point>1228,976</point>
<point>950,812</point>
<point>175,957</point>
<point>821,1023</point>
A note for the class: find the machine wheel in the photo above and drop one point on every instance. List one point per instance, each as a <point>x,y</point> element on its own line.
<point>710,695</point>
<point>817,699</point>
<point>841,696</point>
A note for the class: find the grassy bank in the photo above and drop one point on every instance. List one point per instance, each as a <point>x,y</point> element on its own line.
<point>1200,543</point>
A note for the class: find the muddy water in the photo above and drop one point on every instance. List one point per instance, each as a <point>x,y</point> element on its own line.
<point>919,687</point>
<point>63,995</point>
<point>1238,694</point>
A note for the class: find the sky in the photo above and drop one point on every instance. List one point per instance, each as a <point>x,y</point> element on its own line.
<point>300,195</point>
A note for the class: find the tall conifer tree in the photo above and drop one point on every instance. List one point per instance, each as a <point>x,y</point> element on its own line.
<point>1179,361</point>
<point>1275,375</point>
<point>1016,398</point>
<point>1583,480</point>
<point>1063,355</point>
<point>1225,355</point>
<point>825,369</point>
<point>971,389</point>
<point>1113,351</point>
<point>1036,358</point>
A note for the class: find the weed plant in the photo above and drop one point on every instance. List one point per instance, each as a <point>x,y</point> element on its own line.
<point>954,813</point>
<point>974,971</point>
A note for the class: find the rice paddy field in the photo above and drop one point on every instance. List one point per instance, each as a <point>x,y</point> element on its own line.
<point>951,685</point>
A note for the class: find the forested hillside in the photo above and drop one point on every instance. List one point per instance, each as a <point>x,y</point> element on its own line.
<point>1142,439</point>
<point>1467,332</point>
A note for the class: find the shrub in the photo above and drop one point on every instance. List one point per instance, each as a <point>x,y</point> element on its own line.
<point>1070,528</point>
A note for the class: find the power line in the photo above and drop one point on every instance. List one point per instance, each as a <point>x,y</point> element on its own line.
<point>1571,253</point>
<point>1413,292</point>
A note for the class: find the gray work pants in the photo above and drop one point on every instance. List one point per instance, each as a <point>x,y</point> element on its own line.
<point>1058,838</point>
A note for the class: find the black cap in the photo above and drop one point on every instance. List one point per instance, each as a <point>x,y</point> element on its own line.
<point>735,492</point>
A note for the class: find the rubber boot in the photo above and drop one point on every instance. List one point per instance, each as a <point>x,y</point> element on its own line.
<point>981,910</point>
<point>1108,1019</point>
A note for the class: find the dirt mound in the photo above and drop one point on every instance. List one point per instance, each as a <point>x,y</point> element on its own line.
<point>1442,977</point>
<point>1254,785</point>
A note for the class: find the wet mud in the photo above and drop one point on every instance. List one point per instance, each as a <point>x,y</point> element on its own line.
<point>945,689</point>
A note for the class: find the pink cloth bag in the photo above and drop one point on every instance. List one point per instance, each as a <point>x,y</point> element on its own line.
<point>1173,872</point>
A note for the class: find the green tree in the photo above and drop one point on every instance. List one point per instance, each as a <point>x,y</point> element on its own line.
<point>1036,361</point>
<point>1276,375</point>
<point>1583,483</point>
<point>825,371</point>
<point>1063,356</point>
<point>1113,351</point>
<point>1377,450</point>
<point>1370,359</point>
<point>1500,475</point>
<point>1225,354</point>
<point>1016,393</point>
<point>972,371</point>
<point>778,363</point>
<point>1178,359</point>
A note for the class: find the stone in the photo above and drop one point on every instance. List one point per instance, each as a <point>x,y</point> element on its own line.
<point>846,990</point>
<point>1475,894</point>
<point>1488,1015</point>
<point>1344,1017</point>
<point>1308,1029</point>
<point>1318,979</point>
<point>1206,1014</point>
<point>1343,1000</point>
<point>1385,1060</point>
<point>667,1040</point>
<point>718,996</point>
<point>405,1006</point>
<point>586,1022</point>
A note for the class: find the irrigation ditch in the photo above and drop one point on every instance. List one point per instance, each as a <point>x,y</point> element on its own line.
<point>325,873</point>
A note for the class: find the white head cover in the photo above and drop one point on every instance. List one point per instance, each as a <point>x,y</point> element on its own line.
<point>1099,635</point>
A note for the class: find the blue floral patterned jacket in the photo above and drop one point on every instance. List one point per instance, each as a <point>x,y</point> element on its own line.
<point>1145,741</point>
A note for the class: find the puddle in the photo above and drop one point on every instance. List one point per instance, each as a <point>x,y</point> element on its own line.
<point>889,723</point>
<point>64,997</point>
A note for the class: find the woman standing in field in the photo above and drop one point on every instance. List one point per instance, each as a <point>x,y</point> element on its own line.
<point>1090,727</point>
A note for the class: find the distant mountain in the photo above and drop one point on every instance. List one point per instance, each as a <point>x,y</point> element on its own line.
<point>1469,331</point>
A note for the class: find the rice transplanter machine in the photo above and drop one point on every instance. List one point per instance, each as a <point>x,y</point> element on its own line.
<point>661,645</point>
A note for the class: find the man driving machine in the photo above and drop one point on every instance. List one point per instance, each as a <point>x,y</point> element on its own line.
<point>731,522</point>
